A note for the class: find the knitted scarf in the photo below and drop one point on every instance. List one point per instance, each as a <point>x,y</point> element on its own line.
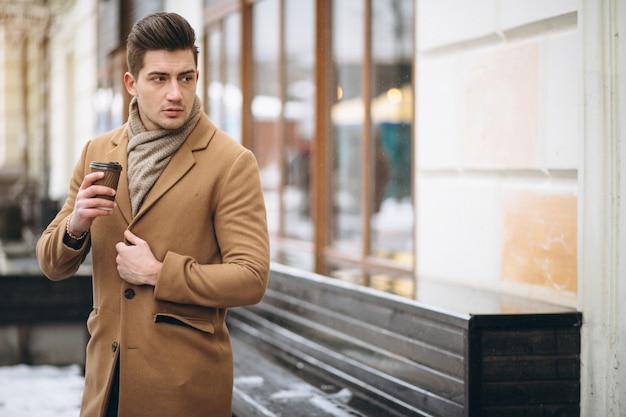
<point>149,152</point>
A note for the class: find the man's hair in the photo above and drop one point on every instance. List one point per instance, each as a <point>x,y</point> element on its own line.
<point>161,30</point>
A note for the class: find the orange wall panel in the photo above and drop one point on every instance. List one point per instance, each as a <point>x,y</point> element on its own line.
<point>540,240</point>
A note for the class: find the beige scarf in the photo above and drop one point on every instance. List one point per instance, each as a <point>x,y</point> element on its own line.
<point>149,152</point>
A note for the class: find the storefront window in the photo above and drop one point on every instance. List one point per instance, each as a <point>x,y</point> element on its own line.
<point>345,103</point>
<point>391,219</point>
<point>215,93</point>
<point>231,122</point>
<point>299,117</point>
<point>223,95</point>
<point>371,207</point>
<point>347,118</point>
<point>267,106</point>
<point>388,281</point>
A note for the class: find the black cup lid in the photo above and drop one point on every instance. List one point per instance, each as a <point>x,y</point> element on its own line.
<point>109,166</point>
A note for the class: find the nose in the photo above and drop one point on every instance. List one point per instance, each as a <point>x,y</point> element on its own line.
<point>174,92</point>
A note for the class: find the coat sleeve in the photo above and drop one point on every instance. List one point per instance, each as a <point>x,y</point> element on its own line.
<point>241,229</point>
<point>57,260</point>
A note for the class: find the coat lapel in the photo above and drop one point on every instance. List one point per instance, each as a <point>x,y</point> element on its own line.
<point>119,154</point>
<point>180,164</point>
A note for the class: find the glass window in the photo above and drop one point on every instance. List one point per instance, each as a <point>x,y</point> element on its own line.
<point>267,106</point>
<point>365,232</point>
<point>347,115</point>
<point>223,96</point>
<point>283,122</point>
<point>215,91</point>
<point>391,220</point>
<point>231,122</point>
<point>299,117</point>
<point>371,208</point>
<point>388,281</point>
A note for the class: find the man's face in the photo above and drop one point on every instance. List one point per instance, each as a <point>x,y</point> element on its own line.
<point>165,88</point>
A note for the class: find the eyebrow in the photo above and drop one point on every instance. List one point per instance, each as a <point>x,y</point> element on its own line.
<point>188,72</point>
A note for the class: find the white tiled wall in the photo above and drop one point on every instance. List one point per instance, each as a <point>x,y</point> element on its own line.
<point>515,13</point>
<point>447,22</point>
<point>561,100</point>
<point>459,228</point>
<point>498,104</point>
<point>440,101</point>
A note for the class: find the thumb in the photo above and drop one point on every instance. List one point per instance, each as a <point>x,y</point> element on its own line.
<point>131,238</point>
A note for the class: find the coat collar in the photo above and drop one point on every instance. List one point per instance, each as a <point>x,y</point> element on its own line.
<point>180,164</point>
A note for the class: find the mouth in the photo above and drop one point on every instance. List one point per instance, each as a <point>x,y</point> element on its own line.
<point>173,111</point>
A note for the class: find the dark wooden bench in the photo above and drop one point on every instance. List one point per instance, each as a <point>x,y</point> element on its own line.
<point>27,301</point>
<point>34,299</point>
<point>320,346</point>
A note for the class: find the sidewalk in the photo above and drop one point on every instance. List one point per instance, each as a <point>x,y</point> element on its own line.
<point>40,391</point>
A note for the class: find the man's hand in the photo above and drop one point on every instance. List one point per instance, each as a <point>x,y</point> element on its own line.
<point>86,207</point>
<point>136,263</point>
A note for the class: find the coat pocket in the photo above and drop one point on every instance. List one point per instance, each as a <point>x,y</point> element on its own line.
<point>203,325</point>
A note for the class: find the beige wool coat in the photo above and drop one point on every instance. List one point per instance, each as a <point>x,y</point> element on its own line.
<point>205,220</point>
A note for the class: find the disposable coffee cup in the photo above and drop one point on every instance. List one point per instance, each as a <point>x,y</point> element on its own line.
<point>111,175</point>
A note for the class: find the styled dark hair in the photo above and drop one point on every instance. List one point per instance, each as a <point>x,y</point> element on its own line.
<point>161,30</point>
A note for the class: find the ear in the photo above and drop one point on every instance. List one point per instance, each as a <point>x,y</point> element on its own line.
<point>129,82</point>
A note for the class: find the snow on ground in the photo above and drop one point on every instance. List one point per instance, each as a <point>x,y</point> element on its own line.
<point>40,391</point>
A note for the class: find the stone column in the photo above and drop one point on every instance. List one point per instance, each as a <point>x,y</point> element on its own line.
<point>602,221</point>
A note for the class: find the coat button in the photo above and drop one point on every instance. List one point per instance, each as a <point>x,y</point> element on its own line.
<point>114,346</point>
<point>129,293</point>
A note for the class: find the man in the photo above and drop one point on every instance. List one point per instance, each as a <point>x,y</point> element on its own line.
<point>185,239</point>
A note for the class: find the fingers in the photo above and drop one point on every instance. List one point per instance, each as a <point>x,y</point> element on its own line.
<point>89,204</point>
<point>90,179</point>
<point>132,238</point>
<point>135,261</point>
<point>89,190</point>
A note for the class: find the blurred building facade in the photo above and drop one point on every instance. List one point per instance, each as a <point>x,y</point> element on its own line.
<point>402,144</point>
<point>23,28</point>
